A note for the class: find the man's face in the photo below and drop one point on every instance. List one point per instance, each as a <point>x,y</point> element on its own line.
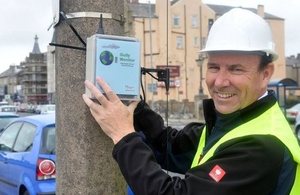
<point>234,81</point>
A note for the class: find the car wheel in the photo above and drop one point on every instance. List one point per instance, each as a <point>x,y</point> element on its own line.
<point>25,192</point>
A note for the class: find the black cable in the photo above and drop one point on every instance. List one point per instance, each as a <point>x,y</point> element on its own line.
<point>152,75</point>
<point>68,46</point>
<point>143,98</point>
<point>167,88</point>
<point>100,28</point>
<point>72,28</point>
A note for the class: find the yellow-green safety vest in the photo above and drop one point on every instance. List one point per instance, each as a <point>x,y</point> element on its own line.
<point>271,122</point>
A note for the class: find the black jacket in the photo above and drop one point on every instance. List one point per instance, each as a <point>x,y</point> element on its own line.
<point>258,164</point>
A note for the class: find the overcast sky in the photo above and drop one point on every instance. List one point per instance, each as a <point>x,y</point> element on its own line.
<point>21,20</point>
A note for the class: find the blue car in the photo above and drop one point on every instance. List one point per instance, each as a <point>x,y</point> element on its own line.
<point>27,156</point>
<point>6,118</point>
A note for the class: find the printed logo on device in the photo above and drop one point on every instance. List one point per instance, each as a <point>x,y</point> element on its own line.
<point>106,58</point>
<point>217,173</point>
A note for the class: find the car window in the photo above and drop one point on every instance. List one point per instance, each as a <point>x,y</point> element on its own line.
<point>25,138</point>
<point>8,136</point>
<point>48,144</point>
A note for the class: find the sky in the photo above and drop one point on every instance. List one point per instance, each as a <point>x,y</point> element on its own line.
<point>21,20</point>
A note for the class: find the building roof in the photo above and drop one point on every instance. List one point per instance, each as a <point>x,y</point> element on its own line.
<point>36,47</point>
<point>142,10</point>
<point>293,61</point>
<point>9,72</point>
<point>221,9</point>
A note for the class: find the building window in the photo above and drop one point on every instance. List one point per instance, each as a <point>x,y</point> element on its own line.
<point>210,23</point>
<point>195,22</point>
<point>179,42</point>
<point>196,42</point>
<point>176,21</point>
<point>203,42</point>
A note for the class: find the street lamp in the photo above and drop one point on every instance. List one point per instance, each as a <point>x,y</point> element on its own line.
<point>200,60</point>
<point>295,66</point>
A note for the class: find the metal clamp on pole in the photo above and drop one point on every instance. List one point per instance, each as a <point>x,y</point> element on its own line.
<point>66,17</point>
<point>119,18</point>
<point>162,75</point>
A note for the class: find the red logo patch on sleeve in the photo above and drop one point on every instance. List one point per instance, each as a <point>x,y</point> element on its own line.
<point>217,173</point>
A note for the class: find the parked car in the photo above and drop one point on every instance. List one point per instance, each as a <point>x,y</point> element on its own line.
<point>27,156</point>
<point>6,118</point>
<point>23,107</point>
<point>292,112</point>
<point>9,108</point>
<point>4,103</point>
<point>46,109</point>
<point>297,126</point>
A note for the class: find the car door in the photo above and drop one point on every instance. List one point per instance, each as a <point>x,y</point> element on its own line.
<point>7,141</point>
<point>22,162</point>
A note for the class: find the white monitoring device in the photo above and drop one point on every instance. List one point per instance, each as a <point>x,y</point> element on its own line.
<point>116,59</point>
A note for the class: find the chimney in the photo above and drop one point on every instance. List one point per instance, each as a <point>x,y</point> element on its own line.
<point>261,10</point>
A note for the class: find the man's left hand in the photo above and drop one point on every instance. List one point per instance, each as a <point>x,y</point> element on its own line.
<point>115,118</point>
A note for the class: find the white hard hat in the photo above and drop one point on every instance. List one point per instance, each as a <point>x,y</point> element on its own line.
<point>240,30</point>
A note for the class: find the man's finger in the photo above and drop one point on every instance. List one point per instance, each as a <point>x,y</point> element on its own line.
<point>107,90</point>
<point>96,92</point>
<point>92,105</point>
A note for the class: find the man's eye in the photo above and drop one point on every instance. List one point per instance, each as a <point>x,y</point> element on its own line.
<point>237,70</point>
<point>213,68</point>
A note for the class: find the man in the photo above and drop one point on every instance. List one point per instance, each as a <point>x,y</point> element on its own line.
<point>245,146</point>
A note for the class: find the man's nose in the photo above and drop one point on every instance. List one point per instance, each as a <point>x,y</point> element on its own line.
<point>222,78</point>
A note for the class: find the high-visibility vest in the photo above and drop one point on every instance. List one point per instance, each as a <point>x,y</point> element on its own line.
<point>271,122</point>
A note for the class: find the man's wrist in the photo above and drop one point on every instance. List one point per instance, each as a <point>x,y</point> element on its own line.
<point>116,139</point>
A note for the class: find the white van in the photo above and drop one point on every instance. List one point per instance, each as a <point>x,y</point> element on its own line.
<point>9,108</point>
<point>47,109</point>
<point>3,103</point>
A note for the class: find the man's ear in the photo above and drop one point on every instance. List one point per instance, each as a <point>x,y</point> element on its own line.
<point>268,72</point>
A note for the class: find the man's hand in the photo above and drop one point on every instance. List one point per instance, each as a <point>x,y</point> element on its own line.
<point>115,119</point>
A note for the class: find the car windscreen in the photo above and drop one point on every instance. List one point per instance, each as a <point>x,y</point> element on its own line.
<point>5,120</point>
<point>48,140</point>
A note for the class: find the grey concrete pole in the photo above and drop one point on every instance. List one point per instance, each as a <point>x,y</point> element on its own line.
<point>84,160</point>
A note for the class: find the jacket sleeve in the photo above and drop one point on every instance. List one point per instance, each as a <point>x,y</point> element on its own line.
<point>148,121</point>
<point>174,150</point>
<point>250,165</point>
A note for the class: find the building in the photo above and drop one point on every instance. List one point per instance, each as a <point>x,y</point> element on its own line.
<point>172,33</point>
<point>9,85</point>
<point>293,73</point>
<point>33,76</point>
<point>292,68</point>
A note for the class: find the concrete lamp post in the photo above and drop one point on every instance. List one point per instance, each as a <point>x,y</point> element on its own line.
<point>198,98</point>
<point>200,60</point>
